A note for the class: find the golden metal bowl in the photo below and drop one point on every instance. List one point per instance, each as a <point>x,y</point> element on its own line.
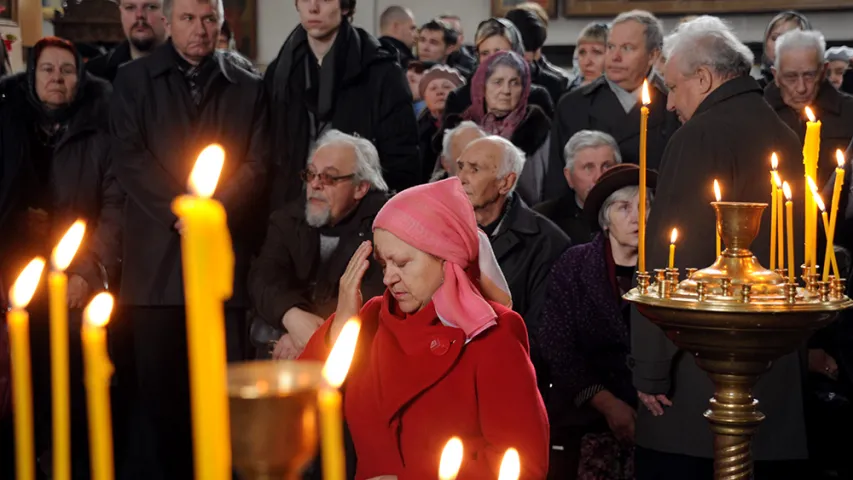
<point>273,417</point>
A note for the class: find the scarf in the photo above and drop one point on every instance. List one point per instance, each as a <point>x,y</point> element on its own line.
<point>438,219</point>
<point>492,124</point>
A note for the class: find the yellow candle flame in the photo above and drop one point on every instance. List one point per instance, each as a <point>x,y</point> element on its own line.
<point>340,358</point>
<point>510,465</point>
<point>65,250</point>
<point>787,189</point>
<point>819,201</point>
<point>810,114</point>
<point>98,311</point>
<point>674,236</point>
<point>206,171</point>
<point>839,157</point>
<point>26,284</point>
<point>811,184</point>
<point>647,99</point>
<point>774,161</point>
<point>777,179</point>
<point>717,193</point>
<point>451,459</point>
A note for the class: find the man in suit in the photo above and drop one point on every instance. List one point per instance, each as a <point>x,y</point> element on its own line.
<point>612,103</point>
<point>166,108</point>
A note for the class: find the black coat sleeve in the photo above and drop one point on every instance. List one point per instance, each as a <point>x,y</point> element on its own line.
<point>540,97</point>
<point>140,173</point>
<point>561,132</point>
<point>396,134</point>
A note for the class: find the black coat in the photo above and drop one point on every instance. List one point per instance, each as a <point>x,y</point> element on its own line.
<point>554,83</point>
<point>464,60</point>
<point>106,66</point>
<point>158,133</point>
<point>567,215</point>
<point>596,107</point>
<point>371,99</point>
<point>82,184</point>
<point>290,273</point>
<point>834,109</point>
<point>404,53</point>
<point>730,138</point>
<point>429,145</point>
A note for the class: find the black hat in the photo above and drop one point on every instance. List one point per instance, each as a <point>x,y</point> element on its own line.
<point>533,31</point>
<point>613,179</point>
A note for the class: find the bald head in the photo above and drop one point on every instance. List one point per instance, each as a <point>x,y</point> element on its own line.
<point>398,22</point>
<point>455,141</point>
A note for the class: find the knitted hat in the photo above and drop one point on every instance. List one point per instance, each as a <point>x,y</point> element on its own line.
<point>438,72</point>
<point>842,54</point>
<point>533,31</point>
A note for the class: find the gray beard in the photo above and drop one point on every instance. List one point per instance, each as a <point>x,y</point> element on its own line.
<point>317,219</point>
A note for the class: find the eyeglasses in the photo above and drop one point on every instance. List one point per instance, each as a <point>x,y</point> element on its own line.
<point>326,180</point>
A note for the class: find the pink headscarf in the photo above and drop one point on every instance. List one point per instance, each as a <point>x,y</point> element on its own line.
<point>438,219</point>
<point>478,112</point>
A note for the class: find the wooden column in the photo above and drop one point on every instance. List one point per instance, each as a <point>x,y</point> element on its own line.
<point>30,20</point>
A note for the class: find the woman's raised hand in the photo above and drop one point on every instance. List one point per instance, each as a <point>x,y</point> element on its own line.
<point>349,289</point>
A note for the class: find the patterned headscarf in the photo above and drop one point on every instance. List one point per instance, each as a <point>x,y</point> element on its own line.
<point>478,113</point>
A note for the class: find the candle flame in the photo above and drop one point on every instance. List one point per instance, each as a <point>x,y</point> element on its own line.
<point>777,179</point>
<point>774,161</point>
<point>647,99</point>
<point>26,284</point>
<point>787,189</point>
<point>65,250</point>
<point>674,236</point>
<point>819,202</point>
<point>839,158</point>
<point>811,184</point>
<point>206,171</point>
<point>340,358</point>
<point>717,193</point>
<point>810,114</point>
<point>510,465</point>
<point>98,311</point>
<point>451,459</point>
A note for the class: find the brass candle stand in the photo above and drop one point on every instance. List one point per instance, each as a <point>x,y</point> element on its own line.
<point>736,318</point>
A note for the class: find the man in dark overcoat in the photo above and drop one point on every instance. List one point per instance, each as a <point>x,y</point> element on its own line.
<point>166,109</point>
<point>612,103</point>
<point>144,27</point>
<point>728,135</point>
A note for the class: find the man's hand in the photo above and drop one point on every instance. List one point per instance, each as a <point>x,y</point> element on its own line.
<point>300,325</point>
<point>78,291</point>
<point>822,363</point>
<point>621,418</point>
<point>284,349</point>
<point>654,403</point>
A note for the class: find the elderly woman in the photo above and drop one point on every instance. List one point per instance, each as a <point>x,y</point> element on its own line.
<point>500,91</point>
<point>585,337</point>
<point>440,353</point>
<point>783,22</point>
<point>592,45</point>
<point>434,87</point>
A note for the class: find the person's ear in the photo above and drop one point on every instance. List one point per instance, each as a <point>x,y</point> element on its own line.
<point>507,183</point>
<point>361,190</point>
<point>706,80</point>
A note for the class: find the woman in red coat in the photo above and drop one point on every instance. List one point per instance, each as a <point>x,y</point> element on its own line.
<point>439,355</point>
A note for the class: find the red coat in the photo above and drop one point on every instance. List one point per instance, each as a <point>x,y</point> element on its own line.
<point>414,384</point>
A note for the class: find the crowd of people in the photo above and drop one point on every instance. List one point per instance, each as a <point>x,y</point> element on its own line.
<point>474,205</point>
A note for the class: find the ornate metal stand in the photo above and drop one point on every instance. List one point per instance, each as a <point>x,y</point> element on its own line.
<point>736,318</point>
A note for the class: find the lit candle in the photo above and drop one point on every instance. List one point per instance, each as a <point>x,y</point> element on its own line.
<point>812,239</point>
<point>789,212</point>
<point>774,164</point>
<point>718,195</point>
<point>98,370</point>
<point>18,325</point>
<point>811,151</point>
<point>644,123</point>
<point>836,194</point>
<point>780,222</point>
<point>57,283</point>
<point>828,261</point>
<point>510,465</point>
<point>451,459</point>
<point>331,422</point>
<point>672,238</point>
<point>208,265</point>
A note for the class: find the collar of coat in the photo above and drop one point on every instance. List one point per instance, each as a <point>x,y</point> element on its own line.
<point>163,61</point>
<point>732,88</point>
<point>518,218</point>
<point>119,55</point>
<point>828,98</point>
<point>592,87</point>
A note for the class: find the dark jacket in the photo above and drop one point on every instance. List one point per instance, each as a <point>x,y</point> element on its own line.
<point>596,107</point>
<point>428,144</point>
<point>158,133</point>
<point>464,60</point>
<point>567,215</point>
<point>81,183</point>
<point>834,109</point>
<point>404,53</point>
<point>554,83</point>
<point>289,272</point>
<point>585,337</point>
<point>730,138</point>
<point>106,66</point>
<point>371,98</point>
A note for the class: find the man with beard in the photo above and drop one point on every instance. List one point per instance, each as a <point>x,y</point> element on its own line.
<point>167,107</point>
<point>294,280</point>
<point>145,28</point>
<point>330,74</point>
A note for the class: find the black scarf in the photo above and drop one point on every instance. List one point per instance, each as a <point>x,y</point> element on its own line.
<point>51,119</point>
<point>198,77</point>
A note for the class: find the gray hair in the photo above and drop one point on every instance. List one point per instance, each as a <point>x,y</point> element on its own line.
<point>367,166</point>
<point>220,9</point>
<point>707,41</point>
<point>654,27</point>
<point>801,39</point>
<point>589,139</point>
<point>513,159</point>
<point>447,140</point>
<point>512,60</point>
<point>624,194</point>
